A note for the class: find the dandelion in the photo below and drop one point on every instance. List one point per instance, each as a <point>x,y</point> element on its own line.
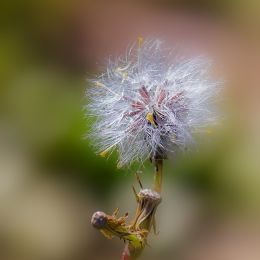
<point>149,103</point>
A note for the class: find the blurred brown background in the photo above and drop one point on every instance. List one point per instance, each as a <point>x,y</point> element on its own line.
<point>51,181</point>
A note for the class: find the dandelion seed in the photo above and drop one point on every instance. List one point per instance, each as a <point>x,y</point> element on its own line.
<point>150,103</point>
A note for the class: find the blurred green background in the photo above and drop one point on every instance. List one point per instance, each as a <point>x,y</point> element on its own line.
<point>51,180</point>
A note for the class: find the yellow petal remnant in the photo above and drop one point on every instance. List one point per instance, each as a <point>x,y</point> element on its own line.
<point>150,119</point>
<point>140,41</point>
<point>123,73</point>
<point>105,152</point>
<point>119,165</point>
<point>99,84</point>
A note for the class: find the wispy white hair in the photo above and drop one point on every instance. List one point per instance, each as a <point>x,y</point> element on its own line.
<point>148,103</point>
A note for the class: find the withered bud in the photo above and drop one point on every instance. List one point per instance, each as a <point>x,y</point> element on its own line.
<point>99,220</point>
<point>148,201</point>
<point>150,196</point>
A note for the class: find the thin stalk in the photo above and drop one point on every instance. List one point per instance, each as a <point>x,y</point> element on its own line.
<point>158,175</point>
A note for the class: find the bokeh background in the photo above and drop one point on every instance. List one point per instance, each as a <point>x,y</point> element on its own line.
<point>51,181</point>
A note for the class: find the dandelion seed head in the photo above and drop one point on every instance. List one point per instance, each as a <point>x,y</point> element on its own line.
<point>149,102</point>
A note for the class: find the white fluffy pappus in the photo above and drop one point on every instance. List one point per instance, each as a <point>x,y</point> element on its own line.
<point>150,102</point>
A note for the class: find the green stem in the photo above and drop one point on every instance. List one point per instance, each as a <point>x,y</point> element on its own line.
<point>158,175</point>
